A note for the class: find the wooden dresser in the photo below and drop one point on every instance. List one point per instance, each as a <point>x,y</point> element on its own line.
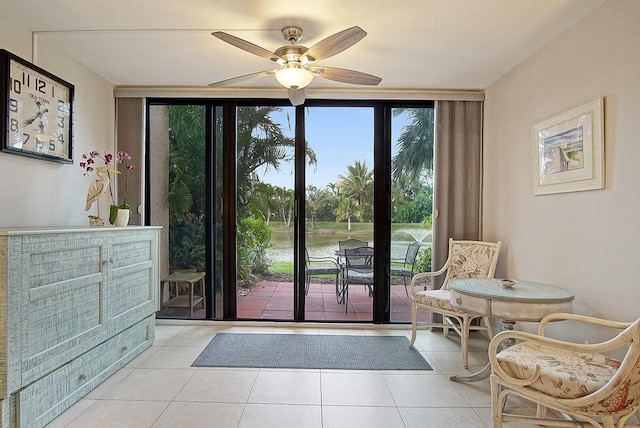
<point>76,305</point>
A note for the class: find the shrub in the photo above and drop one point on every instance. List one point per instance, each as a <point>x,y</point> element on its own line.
<point>423,261</point>
<point>254,237</point>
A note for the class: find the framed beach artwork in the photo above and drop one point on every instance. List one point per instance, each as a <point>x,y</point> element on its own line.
<point>568,151</point>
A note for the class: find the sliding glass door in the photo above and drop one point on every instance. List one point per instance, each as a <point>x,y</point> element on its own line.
<point>266,199</point>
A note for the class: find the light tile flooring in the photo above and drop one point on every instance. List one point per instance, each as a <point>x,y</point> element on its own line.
<point>161,389</point>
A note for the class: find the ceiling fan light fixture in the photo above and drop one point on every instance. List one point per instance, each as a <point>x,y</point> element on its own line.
<point>294,77</point>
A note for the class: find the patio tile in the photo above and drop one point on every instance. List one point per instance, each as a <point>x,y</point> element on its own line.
<point>252,304</point>
<point>274,300</point>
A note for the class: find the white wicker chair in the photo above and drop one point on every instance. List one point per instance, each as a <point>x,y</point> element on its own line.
<point>577,380</point>
<point>467,259</point>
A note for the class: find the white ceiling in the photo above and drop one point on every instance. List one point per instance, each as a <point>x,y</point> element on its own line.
<point>411,44</point>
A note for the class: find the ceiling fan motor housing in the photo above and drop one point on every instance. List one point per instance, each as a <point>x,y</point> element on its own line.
<point>291,53</point>
<point>292,34</point>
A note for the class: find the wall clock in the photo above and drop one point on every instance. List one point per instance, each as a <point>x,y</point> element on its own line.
<point>36,111</point>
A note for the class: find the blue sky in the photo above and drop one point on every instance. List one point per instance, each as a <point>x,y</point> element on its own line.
<point>339,136</point>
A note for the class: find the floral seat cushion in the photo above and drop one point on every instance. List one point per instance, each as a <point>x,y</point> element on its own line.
<point>438,299</point>
<point>563,373</point>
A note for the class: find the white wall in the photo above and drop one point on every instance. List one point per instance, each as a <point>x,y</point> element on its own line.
<point>36,192</point>
<point>587,241</point>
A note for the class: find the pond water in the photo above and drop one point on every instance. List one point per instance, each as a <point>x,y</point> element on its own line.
<point>325,244</point>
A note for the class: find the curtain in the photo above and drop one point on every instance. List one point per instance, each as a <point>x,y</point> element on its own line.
<point>130,129</point>
<point>457,196</point>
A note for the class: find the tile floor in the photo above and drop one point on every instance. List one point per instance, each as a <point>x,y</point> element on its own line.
<point>161,389</point>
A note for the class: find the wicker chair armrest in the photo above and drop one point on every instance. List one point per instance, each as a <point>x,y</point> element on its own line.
<point>322,260</point>
<point>420,275</point>
<point>608,345</point>
<point>580,318</point>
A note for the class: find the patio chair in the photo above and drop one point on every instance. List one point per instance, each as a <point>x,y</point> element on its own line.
<point>467,259</point>
<point>357,269</point>
<point>578,380</point>
<point>406,270</point>
<point>315,266</point>
<point>349,244</point>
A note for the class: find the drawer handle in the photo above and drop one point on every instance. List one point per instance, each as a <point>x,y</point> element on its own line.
<point>458,300</point>
<point>107,261</point>
<point>125,348</point>
<point>83,376</point>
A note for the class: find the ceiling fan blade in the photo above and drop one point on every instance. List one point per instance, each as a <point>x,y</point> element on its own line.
<point>242,78</point>
<point>297,96</point>
<point>245,45</point>
<point>346,76</point>
<point>335,44</point>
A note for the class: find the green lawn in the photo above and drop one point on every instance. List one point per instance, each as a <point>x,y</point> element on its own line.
<point>324,231</point>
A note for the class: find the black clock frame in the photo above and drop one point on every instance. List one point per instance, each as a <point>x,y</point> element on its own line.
<point>5,84</point>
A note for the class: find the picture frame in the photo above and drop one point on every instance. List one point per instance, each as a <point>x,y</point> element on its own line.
<point>36,108</point>
<point>568,150</point>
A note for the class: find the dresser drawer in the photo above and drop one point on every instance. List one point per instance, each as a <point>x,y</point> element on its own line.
<point>49,396</point>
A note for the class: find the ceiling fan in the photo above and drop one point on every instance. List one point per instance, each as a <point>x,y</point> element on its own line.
<point>295,62</point>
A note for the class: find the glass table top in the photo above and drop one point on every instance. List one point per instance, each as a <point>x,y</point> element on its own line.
<point>520,291</point>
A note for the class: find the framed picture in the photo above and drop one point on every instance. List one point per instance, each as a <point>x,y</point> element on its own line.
<point>36,111</point>
<point>568,151</point>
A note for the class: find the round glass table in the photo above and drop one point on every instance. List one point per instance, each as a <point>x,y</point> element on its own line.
<point>522,301</point>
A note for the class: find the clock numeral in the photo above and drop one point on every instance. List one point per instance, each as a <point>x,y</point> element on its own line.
<point>17,86</point>
<point>13,125</point>
<point>61,139</point>
<point>61,120</point>
<point>52,145</point>
<point>13,105</point>
<point>39,145</point>
<point>26,139</point>
<point>63,107</point>
<point>41,85</point>
<point>26,79</point>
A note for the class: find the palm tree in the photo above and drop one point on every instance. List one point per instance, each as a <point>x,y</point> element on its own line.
<point>415,144</point>
<point>316,199</point>
<point>283,199</point>
<point>264,201</point>
<point>347,208</point>
<point>358,183</point>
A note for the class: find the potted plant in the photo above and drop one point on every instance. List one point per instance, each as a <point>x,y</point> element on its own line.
<point>103,183</point>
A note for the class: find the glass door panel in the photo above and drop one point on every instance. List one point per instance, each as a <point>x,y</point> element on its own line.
<point>411,202</point>
<point>265,212</point>
<point>177,135</point>
<point>338,207</point>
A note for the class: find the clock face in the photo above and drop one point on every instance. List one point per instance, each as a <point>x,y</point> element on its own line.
<point>39,109</point>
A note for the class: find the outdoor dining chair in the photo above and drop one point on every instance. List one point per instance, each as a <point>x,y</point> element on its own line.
<point>316,266</point>
<point>351,243</point>
<point>357,269</point>
<point>406,270</point>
